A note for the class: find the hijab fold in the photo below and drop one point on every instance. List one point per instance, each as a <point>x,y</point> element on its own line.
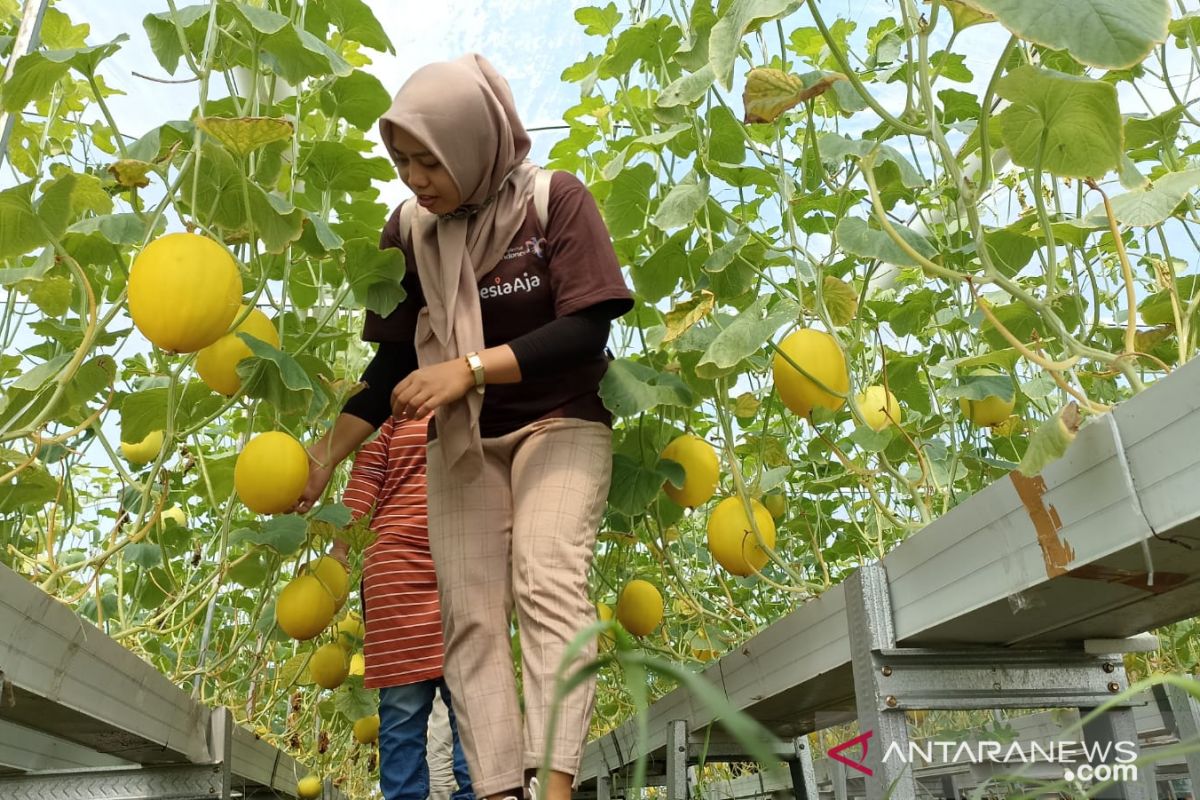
<point>463,112</point>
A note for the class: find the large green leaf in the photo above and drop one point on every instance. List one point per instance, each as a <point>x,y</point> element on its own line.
<point>1073,121</point>
<point>375,275</point>
<point>745,336</point>
<point>859,238</point>
<point>1152,205</point>
<point>146,411</point>
<point>1113,34</point>
<point>630,387</point>
<point>359,98</point>
<point>337,167</point>
<point>629,200</point>
<point>273,375</point>
<point>679,207</point>
<point>164,37</point>
<point>285,534</point>
<point>20,229</point>
<point>688,89</point>
<point>740,18</point>
<point>634,485</point>
<point>598,21</point>
<point>834,148</point>
<point>357,22</point>
<point>658,275</point>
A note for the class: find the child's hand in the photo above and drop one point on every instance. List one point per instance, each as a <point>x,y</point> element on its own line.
<point>340,551</point>
<point>319,474</point>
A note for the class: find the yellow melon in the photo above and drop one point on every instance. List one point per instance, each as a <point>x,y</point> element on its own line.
<point>731,540</point>
<point>640,607</point>
<point>879,407</point>
<point>701,470</point>
<point>819,355</point>
<point>366,730</point>
<point>271,472</point>
<point>329,666</point>
<point>304,608</point>
<point>184,291</point>
<point>217,363</point>
<point>144,451</point>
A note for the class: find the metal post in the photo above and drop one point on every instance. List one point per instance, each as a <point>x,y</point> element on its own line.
<point>677,760</point>
<point>869,618</point>
<point>950,787</point>
<point>804,778</point>
<point>1115,725</point>
<point>603,787</point>
<point>1183,719</point>
<point>27,40</point>
<point>840,790</point>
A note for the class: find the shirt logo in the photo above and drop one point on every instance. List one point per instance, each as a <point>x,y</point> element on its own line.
<point>524,283</point>
<point>534,245</point>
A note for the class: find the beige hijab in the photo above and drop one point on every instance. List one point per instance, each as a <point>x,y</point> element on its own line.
<point>463,111</point>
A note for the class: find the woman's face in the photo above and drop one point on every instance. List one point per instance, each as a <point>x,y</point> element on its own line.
<point>421,172</point>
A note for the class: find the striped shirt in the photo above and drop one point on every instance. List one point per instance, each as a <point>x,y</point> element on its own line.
<point>400,602</point>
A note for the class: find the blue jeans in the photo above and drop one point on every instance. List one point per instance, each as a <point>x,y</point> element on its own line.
<point>403,727</point>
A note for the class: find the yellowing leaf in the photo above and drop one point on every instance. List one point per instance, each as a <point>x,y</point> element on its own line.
<point>770,92</point>
<point>243,135</point>
<point>964,16</point>
<point>746,406</point>
<point>684,315</point>
<point>1050,441</point>
<point>131,173</point>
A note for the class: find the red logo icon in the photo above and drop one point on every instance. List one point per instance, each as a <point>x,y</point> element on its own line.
<point>836,753</point>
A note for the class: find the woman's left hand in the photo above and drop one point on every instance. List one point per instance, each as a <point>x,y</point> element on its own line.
<point>429,388</point>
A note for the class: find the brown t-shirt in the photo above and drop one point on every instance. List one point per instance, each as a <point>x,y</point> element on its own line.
<point>543,275</point>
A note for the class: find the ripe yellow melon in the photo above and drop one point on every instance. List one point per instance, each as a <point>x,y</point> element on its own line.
<point>217,363</point>
<point>304,608</point>
<point>366,730</point>
<point>329,666</point>
<point>308,787</point>
<point>702,647</point>
<point>351,631</point>
<point>184,291</point>
<point>872,402</point>
<point>333,576</point>
<point>819,355</point>
<point>640,607</point>
<point>989,411</point>
<point>731,540</point>
<point>144,451</point>
<point>700,467</point>
<point>271,472</point>
<point>358,665</point>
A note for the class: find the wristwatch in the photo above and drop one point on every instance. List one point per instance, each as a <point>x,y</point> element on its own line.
<point>476,365</point>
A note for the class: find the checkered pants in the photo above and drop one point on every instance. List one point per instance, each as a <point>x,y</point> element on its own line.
<point>522,532</point>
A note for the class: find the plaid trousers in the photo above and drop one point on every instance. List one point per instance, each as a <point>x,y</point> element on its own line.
<point>521,533</point>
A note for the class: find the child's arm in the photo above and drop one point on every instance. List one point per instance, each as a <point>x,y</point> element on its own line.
<point>366,482</point>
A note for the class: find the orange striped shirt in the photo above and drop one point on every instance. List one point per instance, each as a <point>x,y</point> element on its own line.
<point>400,602</point>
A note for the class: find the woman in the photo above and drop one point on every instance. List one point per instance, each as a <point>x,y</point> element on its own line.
<point>502,334</point>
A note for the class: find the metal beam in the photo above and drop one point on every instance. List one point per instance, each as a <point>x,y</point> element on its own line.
<point>122,783</point>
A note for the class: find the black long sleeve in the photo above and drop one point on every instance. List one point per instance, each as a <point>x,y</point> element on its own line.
<point>392,363</point>
<point>543,351</point>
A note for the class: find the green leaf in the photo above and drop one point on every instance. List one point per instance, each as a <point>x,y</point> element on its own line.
<point>52,294</point>
<point>32,488</point>
<point>981,387</point>
<point>727,137</point>
<point>680,205</point>
<point>629,200</point>
<point>283,533</point>
<point>163,36</point>
<point>34,77</point>
<point>359,98</point>
<point>724,255</point>
<point>598,21</point>
<point>659,274</point>
<point>745,336</point>
<point>336,167</point>
<point>146,555</point>
<point>1074,121</point>
<point>120,229</point>
<point>354,702</point>
<point>243,135</point>
<point>630,387</point>
<point>834,148</point>
<point>688,89</point>
<point>1162,129</point>
<point>652,41</point>
<point>742,16</point>
<point>1157,309</point>
<point>634,485</point>
<point>1112,34</point>
<point>20,228</point>
<point>357,22</point>
<point>1009,251</point>
<point>376,276</point>
<point>146,410</point>
<point>857,237</point>
<point>290,52</point>
<point>1050,441</point>
<point>335,514</point>
<point>1153,205</point>
<point>272,375</point>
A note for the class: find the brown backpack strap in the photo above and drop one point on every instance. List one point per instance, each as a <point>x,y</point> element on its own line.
<point>541,196</point>
<point>407,210</point>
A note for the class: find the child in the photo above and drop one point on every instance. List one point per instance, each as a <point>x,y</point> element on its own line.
<point>403,647</point>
